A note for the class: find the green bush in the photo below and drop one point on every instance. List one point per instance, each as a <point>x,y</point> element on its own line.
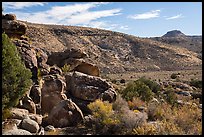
<point>196,83</point>
<point>16,77</point>
<point>151,84</point>
<point>174,76</point>
<point>137,89</point>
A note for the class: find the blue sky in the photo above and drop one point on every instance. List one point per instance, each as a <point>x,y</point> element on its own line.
<point>143,19</point>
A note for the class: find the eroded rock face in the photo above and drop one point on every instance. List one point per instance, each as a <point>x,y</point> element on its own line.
<point>90,88</point>
<point>65,113</point>
<point>59,57</point>
<point>28,55</point>
<point>52,92</point>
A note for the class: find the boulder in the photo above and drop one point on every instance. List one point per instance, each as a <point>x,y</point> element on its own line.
<point>36,117</point>
<point>28,104</point>
<point>50,128</point>
<point>18,113</point>
<point>65,113</point>
<point>35,94</point>
<point>30,125</point>
<point>41,131</point>
<point>17,132</point>
<point>13,28</point>
<point>87,68</point>
<point>53,89</point>
<point>59,58</point>
<point>55,70</point>
<point>90,88</point>
<point>10,17</point>
<point>182,86</point>
<point>10,124</point>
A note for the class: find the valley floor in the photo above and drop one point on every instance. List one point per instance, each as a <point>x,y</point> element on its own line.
<point>185,75</point>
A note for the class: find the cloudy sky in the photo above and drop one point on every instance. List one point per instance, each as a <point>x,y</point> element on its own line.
<point>143,19</point>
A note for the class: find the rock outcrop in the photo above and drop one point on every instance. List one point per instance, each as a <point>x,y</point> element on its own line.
<point>12,27</point>
<point>90,88</point>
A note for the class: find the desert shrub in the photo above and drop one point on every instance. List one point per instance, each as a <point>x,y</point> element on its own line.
<point>160,128</point>
<point>174,75</point>
<point>6,113</point>
<point>16,78</point>
<point>189,119</point>
<point>135,103</point>
<point>66,68</point>
<point>170,95</point>
<point>137,89</point>
<point>196,83</point>
<point>128,119</point>
<point>104,116</point>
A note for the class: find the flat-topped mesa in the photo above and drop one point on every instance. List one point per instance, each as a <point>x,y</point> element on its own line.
<point>174,33</point>
<point>13,27</point>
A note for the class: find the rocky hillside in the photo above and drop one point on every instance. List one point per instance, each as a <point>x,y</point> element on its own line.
<point>115,52</point>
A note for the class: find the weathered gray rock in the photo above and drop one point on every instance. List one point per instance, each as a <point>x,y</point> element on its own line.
<point>90,88</point>
<point>17,113</point>
<point>36,117</point>
<point>41,131</point>
<point>35,94</point>
<point>17,132</point>
<point>53,89</point>
<point>50,128</point>
<point>66,113</point>
<point>30,125</point>
<point>55,70</point>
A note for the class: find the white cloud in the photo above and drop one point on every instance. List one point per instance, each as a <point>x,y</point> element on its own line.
<point>21,5</point>
<point>146,15</point>
<point>76,14</point>
<point>174,17</point>
<point>86,17</point>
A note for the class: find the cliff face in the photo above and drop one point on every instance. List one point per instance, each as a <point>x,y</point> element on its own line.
<point>114,52</point>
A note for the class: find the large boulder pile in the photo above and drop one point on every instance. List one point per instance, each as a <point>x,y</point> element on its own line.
<point>56,98</point>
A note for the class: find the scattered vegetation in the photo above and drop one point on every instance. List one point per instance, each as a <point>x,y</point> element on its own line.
<point>16,77</point>
<point>66,68</point>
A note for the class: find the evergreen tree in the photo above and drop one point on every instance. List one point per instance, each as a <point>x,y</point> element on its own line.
<point>16,78</point>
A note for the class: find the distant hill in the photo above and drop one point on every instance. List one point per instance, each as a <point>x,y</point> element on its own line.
<point>115,52</point>
<point>174,33</point>
<point>179,39</point>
